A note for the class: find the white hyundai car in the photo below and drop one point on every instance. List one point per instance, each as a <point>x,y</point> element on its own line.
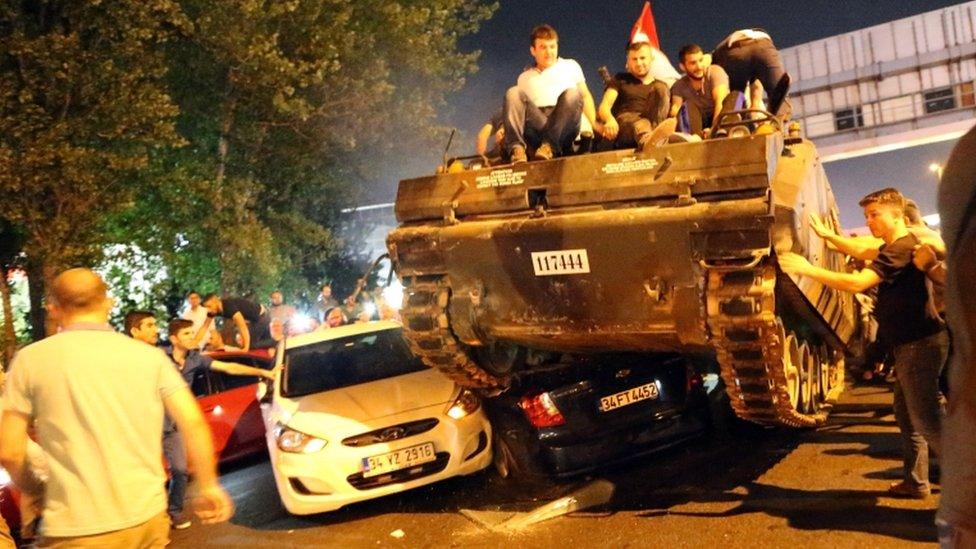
<point>355,416</point>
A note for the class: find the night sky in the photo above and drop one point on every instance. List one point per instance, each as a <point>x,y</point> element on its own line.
<point>596,32</point>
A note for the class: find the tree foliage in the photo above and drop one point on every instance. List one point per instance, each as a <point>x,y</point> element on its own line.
<point>82,102</point>
<point>223,136</point>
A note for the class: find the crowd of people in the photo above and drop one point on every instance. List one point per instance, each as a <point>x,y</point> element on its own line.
<point>104,406</point>
<point>550,110</point>
<point>93,397</point>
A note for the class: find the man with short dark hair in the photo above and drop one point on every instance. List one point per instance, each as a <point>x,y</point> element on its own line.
<point>703,91</point>
<point>195,311</point>
<point>188,361</point>
<point>325,302</point>
<point>96,400</point>
<point>250,318</point>
<point>635,105</point>
<point>544,109</point>
<point>280,310</point>
<point>141,325</point>
<point>906,325</point>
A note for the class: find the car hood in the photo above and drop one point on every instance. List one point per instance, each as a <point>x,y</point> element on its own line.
<point>368,401</point>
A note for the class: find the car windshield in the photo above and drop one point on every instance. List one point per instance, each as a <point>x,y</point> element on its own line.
<point>348,361</point>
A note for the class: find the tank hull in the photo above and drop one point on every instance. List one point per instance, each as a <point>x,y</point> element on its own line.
<point>621,252</point>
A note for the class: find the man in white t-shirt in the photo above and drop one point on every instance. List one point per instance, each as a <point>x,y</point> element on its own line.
<point>96,400</point>
<point>544,110</point>
<point>196,313</point>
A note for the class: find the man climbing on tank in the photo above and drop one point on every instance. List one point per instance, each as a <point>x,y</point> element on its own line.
<point>635,105</point>
<point>544,110</point>
<point>906,325</point>
<point>749,56</point>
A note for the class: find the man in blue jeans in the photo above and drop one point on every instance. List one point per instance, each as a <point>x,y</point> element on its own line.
<point>906,325</point>
<point>544,110</point>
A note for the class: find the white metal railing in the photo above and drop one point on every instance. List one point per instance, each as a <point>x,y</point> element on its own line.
<point>883,112</point>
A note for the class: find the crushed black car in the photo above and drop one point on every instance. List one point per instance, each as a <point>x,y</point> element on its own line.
<point>594,411</point>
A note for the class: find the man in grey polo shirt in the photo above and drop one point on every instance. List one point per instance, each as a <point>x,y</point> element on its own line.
<point>96,399</point>
<point>702,91</point>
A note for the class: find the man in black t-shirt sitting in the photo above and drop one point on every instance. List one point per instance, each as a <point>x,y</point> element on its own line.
<point>906,325</point>
<point>250,318</point>
<point>635,106</point>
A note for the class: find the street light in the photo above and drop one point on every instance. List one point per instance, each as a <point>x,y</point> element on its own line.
<point>937,169</point>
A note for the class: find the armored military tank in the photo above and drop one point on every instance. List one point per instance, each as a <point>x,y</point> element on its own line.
<point>672,250</point>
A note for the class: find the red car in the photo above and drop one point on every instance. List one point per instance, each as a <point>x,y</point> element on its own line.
<point>230,405</point>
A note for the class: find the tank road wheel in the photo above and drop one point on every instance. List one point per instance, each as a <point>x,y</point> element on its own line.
<point>836,377</point>
<point>824,357</point>
<point>791,362</point>
<point>500,359</point>
<point>811,370</point>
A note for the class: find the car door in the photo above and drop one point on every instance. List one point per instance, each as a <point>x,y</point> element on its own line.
<point>231,409</point>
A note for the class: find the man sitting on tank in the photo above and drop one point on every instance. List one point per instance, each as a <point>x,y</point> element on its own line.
<point>544,110</point>
<point>701,95</point>
<point>754,64</point>
<point>906,324</point>
<point>635,105</point>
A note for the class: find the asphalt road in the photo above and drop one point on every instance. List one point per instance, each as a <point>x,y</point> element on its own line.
<point>823,488</point>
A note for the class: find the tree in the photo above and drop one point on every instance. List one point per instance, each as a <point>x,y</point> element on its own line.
<point>287,107</point>
<point>82,104</point>
<point>11,244</point>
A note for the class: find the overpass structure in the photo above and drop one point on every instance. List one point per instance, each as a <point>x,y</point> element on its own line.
<point>899,84</point>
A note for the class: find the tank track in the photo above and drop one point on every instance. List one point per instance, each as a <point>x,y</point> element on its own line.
<point>758,356</point>
<point>428,331</point>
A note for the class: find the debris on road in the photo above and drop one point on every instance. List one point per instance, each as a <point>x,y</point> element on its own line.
<point>592,494</point>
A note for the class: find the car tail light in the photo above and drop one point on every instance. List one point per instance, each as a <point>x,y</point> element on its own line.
<point>694,380</point>
<point>466,403</point>
<point>541,411</point>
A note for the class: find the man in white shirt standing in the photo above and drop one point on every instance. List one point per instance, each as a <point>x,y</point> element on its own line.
<point>196,313</point>
<point>544,110</point>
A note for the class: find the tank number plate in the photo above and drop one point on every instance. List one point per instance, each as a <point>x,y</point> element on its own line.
<point>560,262</point>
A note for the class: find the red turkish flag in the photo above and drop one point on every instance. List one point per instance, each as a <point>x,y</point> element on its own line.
<point>644,29</point>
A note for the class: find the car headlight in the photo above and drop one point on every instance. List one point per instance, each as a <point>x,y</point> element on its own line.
<point>466,403</point>
<point>296,442</point>
<point>4,477</point>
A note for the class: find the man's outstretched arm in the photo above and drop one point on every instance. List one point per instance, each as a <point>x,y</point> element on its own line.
<point>234,369</point>
<point>854,283</point>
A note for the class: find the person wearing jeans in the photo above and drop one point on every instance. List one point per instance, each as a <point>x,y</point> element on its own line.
<point>918,408</point>
<point>905,324</point>
<point>544,109</point>
<point>532,126</point>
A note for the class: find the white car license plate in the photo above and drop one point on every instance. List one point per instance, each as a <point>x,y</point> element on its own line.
<point>401,459</point>
<point>643,392</point>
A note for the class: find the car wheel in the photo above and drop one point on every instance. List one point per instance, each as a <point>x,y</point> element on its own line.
<point>502,458</point>
<point>516,453</point>
<point>501,359</point>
